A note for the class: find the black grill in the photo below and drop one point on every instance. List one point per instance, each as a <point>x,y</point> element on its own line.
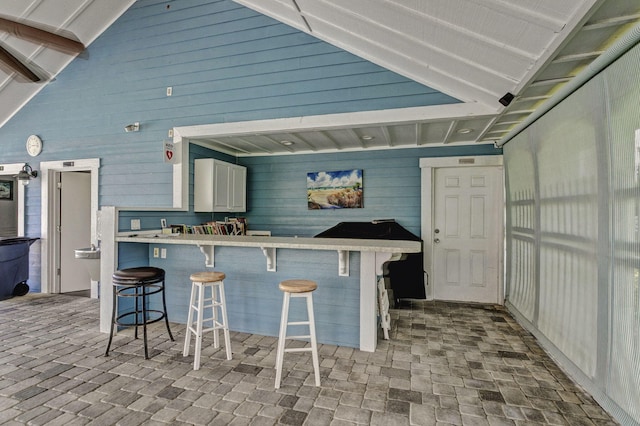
<point>405,276</point>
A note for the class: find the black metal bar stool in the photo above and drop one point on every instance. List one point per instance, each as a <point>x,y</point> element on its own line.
<point>138,283</point>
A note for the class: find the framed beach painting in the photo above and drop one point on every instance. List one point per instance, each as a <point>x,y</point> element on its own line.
<point>6,190</point>
<point>335,190</point>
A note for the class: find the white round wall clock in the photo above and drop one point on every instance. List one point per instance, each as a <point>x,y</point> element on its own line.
<point>34,145</point>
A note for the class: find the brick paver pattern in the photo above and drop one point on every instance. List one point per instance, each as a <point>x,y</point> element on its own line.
<point>446,364</point>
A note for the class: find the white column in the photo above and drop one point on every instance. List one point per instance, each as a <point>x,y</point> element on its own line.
<point>108,257</point>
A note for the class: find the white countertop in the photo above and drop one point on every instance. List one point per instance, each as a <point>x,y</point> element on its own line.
<point>340,244</point>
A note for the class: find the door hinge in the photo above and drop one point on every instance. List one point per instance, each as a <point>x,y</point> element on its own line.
<point>58,272</point>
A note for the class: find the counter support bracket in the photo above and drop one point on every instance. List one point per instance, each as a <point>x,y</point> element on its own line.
<point>270,254</point>
<point>343,263</point>
<point>209,255</point>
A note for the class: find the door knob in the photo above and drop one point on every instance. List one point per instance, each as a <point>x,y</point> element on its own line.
<point>436,240</point>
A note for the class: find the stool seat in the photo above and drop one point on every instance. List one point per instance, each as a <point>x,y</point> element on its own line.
<point>139,274</point>
<point>207,277</point>
<point>298,286</point>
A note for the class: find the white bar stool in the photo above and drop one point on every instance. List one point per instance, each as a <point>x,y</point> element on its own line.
<point>199,302</point>
<point>297,288</point>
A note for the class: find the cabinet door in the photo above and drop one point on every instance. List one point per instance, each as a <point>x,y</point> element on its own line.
<point>221,186</point>
<point>238,189</point>
<point>203,185</point>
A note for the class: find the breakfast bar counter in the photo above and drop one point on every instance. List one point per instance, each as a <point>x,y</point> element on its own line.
<point>281,257</point>
<point>269,244</point>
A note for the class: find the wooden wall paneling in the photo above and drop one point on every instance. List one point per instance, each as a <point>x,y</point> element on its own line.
<point>225,62</point>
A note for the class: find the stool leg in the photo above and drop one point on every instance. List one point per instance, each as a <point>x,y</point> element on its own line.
<point>312,333</point>
<point>281,338</point>
<point>144,320</point>
<point>198,348</point>
<point>187,337</point>
<point>214,315</point>
<point>225,327</point>
<point>137,316</point>
<point>166,315</point>
<point>113,319</point>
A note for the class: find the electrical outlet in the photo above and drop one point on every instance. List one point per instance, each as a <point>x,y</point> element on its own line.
<point>163,253</point>
<point>169,91</point>
<point>135,224</point>
<point>156,252</point>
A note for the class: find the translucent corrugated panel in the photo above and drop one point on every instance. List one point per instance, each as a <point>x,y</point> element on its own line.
<point>565,150</point>
<point>573,234</point>
<point>623,103</point>
<point>522,217</point>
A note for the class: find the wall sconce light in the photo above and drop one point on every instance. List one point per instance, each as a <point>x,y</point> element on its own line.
<point>26,174</point>
<point>132,127</point>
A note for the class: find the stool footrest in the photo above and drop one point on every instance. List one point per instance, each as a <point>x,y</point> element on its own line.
<point>298,323</point>
<point>309,349</point>
<point>218,326</point>
<point>297,337</point>
<point>212,305</point>
<point>147,320</point>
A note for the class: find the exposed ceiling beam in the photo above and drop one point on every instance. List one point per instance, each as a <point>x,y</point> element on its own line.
<point>335,143</point>
<point>17,65</point>
<point>447,136</point>
<point>612,22</point>
<point>577,57</point>
<point>38,36</point>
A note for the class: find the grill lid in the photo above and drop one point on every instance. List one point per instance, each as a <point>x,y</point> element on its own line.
<point>382,229</point>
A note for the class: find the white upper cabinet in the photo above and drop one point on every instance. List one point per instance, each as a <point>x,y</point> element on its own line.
<point>219,186</point>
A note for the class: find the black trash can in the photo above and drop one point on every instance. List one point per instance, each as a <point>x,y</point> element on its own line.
<point>14,266</point>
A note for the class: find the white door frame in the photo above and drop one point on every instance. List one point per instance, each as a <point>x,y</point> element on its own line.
<point>47,223</point>
<point>428,167</point>
<point>12,170</point>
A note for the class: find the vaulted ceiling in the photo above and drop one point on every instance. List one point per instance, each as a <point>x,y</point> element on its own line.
<point>477,51</point>
<point>32,31</point>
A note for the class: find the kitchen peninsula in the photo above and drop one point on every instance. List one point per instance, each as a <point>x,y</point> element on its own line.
<point>346,270</point>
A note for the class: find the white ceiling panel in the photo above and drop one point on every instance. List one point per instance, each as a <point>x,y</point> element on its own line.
<point>473,50</point>
<point>406,128</point>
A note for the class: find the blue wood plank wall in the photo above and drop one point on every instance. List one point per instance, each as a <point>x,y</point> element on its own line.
<point>225,63</point>
<point>276,190</point>
<point>252,294</point>
<point>151,219</point>
<point>277,193</point>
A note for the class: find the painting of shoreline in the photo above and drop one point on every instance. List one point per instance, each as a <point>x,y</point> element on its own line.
<point>335,190</point>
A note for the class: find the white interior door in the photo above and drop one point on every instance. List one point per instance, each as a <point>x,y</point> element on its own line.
<point>75,229</point>
<point>466,233</point>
